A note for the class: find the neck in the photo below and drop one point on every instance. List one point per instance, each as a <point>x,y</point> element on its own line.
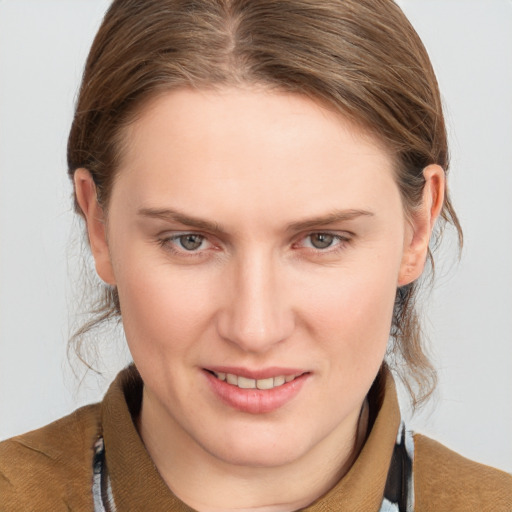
<point>209,484</point>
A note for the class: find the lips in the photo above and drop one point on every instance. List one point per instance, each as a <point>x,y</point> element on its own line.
<point>248,383</point>
<point>256,392</point>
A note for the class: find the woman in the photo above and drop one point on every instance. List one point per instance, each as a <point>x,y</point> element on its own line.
<point>260,182</point>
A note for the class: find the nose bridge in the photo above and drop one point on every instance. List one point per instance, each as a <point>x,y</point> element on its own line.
<point>259,314</point>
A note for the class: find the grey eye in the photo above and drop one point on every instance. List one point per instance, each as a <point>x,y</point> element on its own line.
<point>191,242</point>
<point>321,240</point>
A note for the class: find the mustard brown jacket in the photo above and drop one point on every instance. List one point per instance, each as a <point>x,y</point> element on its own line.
<point>51,469</point>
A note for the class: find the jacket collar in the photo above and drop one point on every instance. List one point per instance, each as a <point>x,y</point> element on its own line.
<point>137,485</point>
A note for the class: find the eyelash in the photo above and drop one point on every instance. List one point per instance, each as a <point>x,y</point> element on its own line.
<point>169,244</point>
<point>339,242</point>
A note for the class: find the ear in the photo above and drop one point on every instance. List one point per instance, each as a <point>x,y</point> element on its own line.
<point>85,190</point>
<point>421,224</point>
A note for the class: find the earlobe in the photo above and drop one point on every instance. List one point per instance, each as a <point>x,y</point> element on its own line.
<point>85,191</point>
<point>422,223</point>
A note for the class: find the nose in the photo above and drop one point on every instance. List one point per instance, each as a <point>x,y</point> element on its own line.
<point>258,312</point>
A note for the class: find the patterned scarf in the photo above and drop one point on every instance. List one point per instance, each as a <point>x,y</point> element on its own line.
<point>398,493</point>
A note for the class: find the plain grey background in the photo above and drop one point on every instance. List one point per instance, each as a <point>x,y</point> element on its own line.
<point>43,45</point>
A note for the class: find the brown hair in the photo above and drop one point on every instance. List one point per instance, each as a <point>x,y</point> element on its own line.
<point>360,57</point>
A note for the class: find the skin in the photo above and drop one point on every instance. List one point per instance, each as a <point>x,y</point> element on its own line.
<point>263,168</point>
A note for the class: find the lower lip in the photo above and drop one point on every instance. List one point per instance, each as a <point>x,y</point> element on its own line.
<point>256,401</point>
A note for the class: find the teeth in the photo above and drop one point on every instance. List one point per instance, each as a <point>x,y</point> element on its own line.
<point>245,383</point>
<point>264,383</point>
<point>279,381</point>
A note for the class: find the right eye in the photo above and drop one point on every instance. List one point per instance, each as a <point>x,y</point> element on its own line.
<point>185,243</point>
<point>189,242</point>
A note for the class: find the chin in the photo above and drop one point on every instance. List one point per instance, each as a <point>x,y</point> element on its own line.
<point>257,455</point>
<point>260,446</point>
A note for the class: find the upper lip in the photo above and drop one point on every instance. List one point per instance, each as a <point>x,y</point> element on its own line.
<point>263,373</point>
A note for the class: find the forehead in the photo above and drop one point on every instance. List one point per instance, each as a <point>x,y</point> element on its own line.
<point>224,111</point>
<point>242,144</point>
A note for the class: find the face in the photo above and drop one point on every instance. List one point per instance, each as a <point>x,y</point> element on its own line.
<point>256,240</point>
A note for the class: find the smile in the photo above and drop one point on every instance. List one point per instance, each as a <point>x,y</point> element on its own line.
<point>256,391</point>
<point>247,383</point>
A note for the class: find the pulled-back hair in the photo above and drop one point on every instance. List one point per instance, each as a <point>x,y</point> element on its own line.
<point>361,58</point>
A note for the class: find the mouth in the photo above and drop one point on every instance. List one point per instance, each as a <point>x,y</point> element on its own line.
<point>247,383</point>
<point>256,392</point>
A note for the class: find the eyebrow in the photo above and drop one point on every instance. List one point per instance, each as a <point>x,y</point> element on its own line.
<point>330,218</point>
<point>171,215</point>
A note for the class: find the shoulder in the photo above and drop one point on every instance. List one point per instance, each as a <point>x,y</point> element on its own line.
<point>444,480</point>
<point>51,466</point>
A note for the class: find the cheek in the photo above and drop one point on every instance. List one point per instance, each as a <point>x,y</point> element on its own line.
<point>351,313</point>
<point>162,308</point>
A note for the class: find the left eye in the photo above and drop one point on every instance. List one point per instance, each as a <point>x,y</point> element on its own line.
<point>189,241</point>
<point>322,240</point>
